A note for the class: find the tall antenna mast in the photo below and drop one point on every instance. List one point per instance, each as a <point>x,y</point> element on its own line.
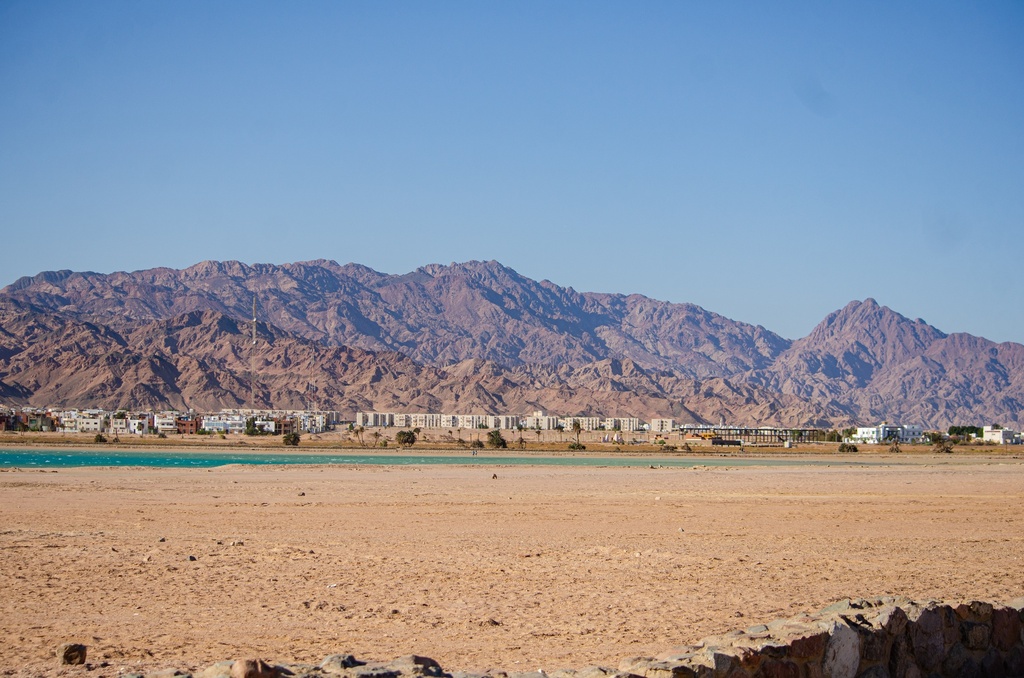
<point>252,359</point>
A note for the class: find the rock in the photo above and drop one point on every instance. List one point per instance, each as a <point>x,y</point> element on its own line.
<point>928,639</point>
<point>975,611</point>
<point>1006,628</point>
<point>253,668</point>
<point>808,646</point>
<point>992,664</point>
<point>416,665</point>
<point>775,668</point>
<point>337,663</point>
<point>218,670</point>
<point>975,636</point>
<point>1015,661</point>
<point>901,656</point>
<point>842,654</point>
<point>958,662</point>
<point>71,654</point>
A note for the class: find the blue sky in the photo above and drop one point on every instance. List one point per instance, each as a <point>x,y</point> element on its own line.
<point>768,161</point>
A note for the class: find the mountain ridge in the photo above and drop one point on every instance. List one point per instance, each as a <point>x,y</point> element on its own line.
<point>481,331</point>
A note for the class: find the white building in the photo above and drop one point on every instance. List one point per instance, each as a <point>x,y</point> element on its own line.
<point>374,419</point>
<point>425,421</point>
<point>166,422</point>
<point>586,423</point>
<point>541,421</point>
<point>473,421</point>
<point>882,433</point>
<point>505,422</point>
<point>312,422</point>
<point>999,436</point>
<point>90,423</point>
<point>224,423</point>
<point>629,424</point>
<point>662,425</point>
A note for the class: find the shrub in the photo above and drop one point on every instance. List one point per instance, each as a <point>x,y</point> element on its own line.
<point>291,439</point>
<point>100,438</point>
<point>577,446</point>
<point>406,438</point>
<point>847,447</point>
<point>477,444</point>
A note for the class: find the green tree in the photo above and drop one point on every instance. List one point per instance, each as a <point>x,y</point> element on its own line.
<point>496,440</point>
<point>252,428</point>
<point>406,438</point>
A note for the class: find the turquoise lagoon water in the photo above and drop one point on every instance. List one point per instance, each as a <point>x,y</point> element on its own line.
<point>202,459</point>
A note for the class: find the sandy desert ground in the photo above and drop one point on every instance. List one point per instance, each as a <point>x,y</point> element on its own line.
<point>541,567</point>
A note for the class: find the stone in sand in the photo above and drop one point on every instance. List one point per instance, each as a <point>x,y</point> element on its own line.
<point>337,663</point>
<point>71,653</point>
<point>253,668</point>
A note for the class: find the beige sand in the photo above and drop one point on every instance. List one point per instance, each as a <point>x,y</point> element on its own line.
<point>542,567</point>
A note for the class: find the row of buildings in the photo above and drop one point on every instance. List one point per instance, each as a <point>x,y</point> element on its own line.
<point>885,433</point>
<point>126,422</point>
<point>538,421</point>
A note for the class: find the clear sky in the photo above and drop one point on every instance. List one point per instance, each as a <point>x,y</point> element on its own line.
<point>768,161</point>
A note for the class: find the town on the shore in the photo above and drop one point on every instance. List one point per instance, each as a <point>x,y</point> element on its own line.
<point>618,430</point>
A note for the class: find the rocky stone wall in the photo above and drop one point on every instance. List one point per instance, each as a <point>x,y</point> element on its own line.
<point>878,638</point>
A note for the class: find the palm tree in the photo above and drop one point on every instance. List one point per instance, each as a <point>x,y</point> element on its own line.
<point>577,428</point>
<point>496,440</point>
<point>359,434</point>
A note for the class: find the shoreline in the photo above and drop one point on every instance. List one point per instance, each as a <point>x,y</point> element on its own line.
<point>271,445</point>
<point>676,459</point>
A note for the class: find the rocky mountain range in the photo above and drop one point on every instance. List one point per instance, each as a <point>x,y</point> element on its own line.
<point>476,337</point>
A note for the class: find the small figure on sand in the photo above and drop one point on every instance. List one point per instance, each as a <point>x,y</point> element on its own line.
<point>494,477</point>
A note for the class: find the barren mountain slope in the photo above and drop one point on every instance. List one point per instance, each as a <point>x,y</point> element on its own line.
<point>482,336</point>
<point>437,315</point>
<point>200,360</point>
<point>879,365</point>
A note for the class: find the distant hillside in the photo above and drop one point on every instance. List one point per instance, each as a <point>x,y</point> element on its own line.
<point>200,360</point>
<point>879,365</point>
<point>478,337</point>
<point>436,315</point>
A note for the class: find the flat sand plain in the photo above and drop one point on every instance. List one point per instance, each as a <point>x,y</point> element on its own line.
<point>542,567</point>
